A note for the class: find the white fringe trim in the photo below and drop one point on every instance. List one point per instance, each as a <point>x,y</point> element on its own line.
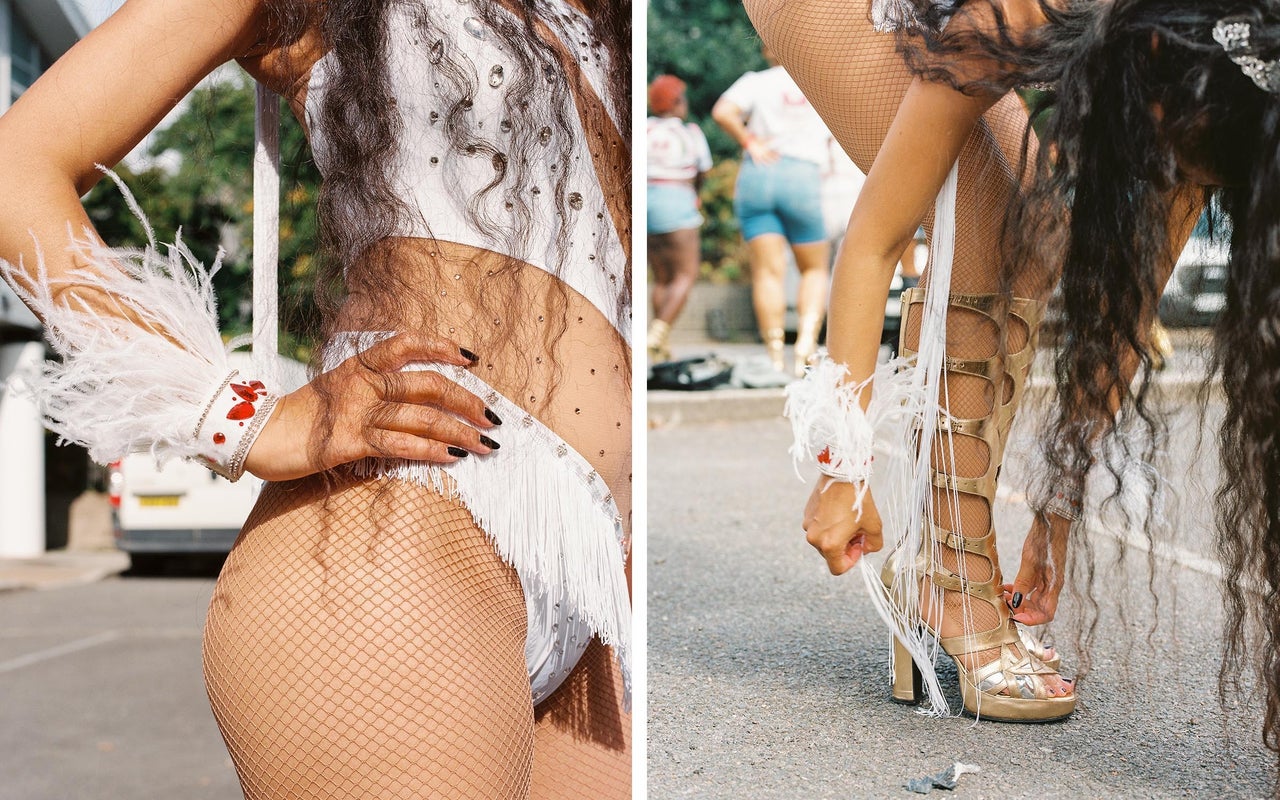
<point>136,378</point>
<point>887,450</point>
<point>549,515</point>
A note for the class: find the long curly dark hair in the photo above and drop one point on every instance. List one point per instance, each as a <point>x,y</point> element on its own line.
<point>1147,110</point>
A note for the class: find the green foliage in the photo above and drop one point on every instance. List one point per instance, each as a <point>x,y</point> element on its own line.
<point>708,45</point>
<point>210,199</point>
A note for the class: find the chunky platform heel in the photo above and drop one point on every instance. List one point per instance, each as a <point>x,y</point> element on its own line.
<point>907,682</point>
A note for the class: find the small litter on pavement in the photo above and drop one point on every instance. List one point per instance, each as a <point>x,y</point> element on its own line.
<point>948,779</point>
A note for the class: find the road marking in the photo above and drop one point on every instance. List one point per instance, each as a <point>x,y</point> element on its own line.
<point>1179,556</point>
<point>59,651</point>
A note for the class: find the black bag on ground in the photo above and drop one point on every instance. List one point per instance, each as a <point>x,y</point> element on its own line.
<point>691,374</point>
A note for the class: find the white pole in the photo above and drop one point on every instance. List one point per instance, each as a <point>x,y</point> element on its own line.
<point>22,490</point>
<point>266,224</point>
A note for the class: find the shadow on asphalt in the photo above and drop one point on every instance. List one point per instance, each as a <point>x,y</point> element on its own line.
<point>174,565</point>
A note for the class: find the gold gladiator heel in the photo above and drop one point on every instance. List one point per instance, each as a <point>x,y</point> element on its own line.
<point>1012,686</point>
<point>907,682</point>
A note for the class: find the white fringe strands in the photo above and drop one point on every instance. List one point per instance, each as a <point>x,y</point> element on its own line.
<point>887,450</point>
<point>828,421</point>
<point>137,332</point>
<point>549,515</point>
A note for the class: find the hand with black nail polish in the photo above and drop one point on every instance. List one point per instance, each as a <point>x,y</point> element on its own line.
<point>370,406</point>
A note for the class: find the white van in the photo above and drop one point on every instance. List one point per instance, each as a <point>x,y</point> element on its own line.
<point>183,508</point>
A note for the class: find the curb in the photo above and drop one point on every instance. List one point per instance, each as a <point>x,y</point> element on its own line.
<point>60,569</point>
<point>668,408</point>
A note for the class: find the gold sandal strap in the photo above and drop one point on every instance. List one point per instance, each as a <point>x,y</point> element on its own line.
<point>982,486</point>
<point>981,428</point>
<point>1030,311</point>
<point>983,590</point>
<point>990,369</point>
<point>1021,677</point>
<point>978,642</point>
<point>978,545</point>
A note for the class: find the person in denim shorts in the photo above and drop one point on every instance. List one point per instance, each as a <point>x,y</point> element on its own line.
<point>678,158</point>
<point>778,200</point>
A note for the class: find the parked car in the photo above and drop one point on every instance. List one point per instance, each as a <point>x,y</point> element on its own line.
<point>1196,292</point>
<point>183,508</point>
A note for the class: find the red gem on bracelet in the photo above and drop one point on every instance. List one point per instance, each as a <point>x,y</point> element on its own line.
<point>241,411</point>
<point>219,439</point>
<point>245,392</point>
<point>258,386</point>
<point>824,458</point>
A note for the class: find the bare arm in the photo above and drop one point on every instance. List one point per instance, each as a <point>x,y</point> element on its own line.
<point>729,117</point>
<point>926,137</point>
<point>92,107</point>
<point>95,104</point>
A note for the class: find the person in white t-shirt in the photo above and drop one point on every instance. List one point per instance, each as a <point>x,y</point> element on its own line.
<point>778,200</point>
<point>678,159</point>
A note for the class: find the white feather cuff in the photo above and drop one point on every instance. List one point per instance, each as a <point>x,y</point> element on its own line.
<point>140,376</point>
<point>832,430</point>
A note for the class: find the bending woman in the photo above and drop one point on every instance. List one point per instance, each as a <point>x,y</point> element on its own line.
<point>416,605</point>
<point>906,133</point>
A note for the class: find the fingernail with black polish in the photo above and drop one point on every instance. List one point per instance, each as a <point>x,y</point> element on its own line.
<point>492,417</point>
<point>489,443</point>
<point>1017,600</point>
<point>458,452</point>
<point>468,355</point>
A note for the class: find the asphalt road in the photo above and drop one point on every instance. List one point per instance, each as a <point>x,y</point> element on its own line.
<point>101,696</point>
<point>768,678</point>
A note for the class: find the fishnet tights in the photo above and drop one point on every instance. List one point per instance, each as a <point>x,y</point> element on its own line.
<point>365,641</point>
<point>856,80</point>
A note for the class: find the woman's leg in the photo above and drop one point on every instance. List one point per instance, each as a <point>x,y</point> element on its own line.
<point>856,79</point>
<point>661,267</point>
<point>768,254</point>
<point>675,258</point>
<point>582,736</point>
<point>683,253</point>
<point>812,260</point>
<point>365,640</point>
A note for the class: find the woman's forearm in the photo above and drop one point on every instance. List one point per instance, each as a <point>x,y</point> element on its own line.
<point>94,105</point>
<point>926,137</point>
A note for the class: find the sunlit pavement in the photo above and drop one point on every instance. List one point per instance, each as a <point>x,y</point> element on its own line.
<point>768,678</point>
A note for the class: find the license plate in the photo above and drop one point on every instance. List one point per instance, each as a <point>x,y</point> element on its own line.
<point>1209,303</point>
<point>159,500</point>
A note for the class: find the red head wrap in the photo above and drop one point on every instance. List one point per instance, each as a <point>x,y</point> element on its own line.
<point>664,92</point>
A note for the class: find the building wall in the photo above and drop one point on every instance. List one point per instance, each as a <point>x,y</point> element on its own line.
<point>6,60</point>
<point>33,34</point>
<point>27,60</point>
